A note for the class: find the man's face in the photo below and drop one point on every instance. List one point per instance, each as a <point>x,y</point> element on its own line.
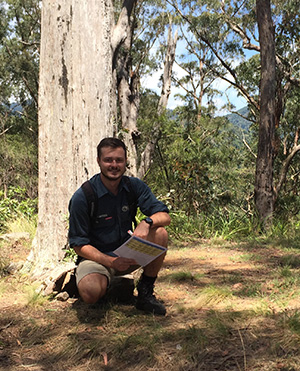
<point>112,162</point>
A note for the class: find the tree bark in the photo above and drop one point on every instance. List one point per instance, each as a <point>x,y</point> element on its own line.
<point>147,155</point>
<point>127,82</point>
<point>263,192</point>
<point>75,99</point>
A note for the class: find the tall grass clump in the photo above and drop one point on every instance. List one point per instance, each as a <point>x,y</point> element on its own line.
<point>17,211</point>
<point>228,227</point>
<point>22,223</point>
<point>284,233</point>
<point>235,226</point>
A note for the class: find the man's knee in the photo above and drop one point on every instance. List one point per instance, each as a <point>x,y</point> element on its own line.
<point>92,288</point>
<point>160,236</point>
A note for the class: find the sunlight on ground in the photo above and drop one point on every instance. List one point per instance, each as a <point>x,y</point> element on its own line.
<point>229,307</point>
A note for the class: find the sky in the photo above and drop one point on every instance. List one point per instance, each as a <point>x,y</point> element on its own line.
<point>152,82</point>
<point>228,92</point>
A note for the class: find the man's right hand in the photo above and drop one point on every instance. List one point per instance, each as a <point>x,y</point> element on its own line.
<point>122,264</point>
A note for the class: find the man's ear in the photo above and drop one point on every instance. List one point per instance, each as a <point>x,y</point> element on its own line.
<point>98,161</point>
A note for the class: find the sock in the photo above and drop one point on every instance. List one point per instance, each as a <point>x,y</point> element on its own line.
<point>147,280</point>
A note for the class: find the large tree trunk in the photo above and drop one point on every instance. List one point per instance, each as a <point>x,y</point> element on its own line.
<point>75,96</point>
<point>264,195</point>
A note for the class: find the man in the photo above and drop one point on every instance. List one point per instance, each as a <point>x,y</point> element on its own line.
<point>95,240</point>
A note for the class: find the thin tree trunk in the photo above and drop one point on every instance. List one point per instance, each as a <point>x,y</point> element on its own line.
<point>148,152</point>
<point>264,195</point>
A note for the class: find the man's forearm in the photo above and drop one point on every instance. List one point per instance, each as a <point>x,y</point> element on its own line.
<point>160,219</point>
<point>91,253</point>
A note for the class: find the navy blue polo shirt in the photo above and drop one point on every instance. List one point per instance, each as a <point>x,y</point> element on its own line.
<point>109,229</point>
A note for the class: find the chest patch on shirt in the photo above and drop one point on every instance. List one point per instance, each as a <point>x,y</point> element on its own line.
<point>125,208</point>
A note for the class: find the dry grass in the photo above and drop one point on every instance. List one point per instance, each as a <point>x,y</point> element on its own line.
<point>230,307</point>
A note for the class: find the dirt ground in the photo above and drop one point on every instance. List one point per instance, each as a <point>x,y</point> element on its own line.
<point>229,307</point>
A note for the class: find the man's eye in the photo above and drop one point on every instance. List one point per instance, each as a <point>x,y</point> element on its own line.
<point>111,160</point>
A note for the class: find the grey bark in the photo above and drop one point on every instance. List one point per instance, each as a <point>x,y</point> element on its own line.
<point>75,99</point>
<point>147,155</point>
<point>263,192</point>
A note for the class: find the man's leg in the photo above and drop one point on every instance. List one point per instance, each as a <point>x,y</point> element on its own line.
<point>92,287</point>
<point>92,280</point>
<point>146,300</point>
<point>160,237</point>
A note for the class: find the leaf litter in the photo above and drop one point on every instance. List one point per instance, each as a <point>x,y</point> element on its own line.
<point>229,307</point>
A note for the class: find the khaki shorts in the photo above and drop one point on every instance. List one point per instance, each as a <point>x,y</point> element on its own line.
<point>86,267</point>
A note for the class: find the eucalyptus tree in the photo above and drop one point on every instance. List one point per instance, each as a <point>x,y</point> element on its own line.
<point>266,135</point>
<point>145,29</point>
<point>75,95</point>
<point>88,52</point>
<point>229,30</point>
<point>85,59</point>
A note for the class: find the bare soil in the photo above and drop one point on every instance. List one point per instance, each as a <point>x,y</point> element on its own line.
<point>229,306</point>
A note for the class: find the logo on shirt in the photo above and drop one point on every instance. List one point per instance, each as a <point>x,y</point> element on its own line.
<point>125,208</point>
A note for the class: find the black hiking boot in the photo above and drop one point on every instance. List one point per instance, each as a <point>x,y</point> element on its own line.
<point>147,301</point>
<point>121,289</point>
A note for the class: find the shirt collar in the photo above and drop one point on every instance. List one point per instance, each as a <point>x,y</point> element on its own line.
<point>102,190</point>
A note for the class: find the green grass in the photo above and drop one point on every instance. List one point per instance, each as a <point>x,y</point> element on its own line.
<point>183,276</point>
<point>293,322</point>
<point>249,290</point>
<point>213,294</point>
<point>220,315</point>
<point>22,224</point>
<point>291,260</point>
<point>3,265</point>
<point>35,296</point>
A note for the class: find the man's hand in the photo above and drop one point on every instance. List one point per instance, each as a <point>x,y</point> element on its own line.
<point>122,264</point>
<point>142,230</point>
<point>160,219</point>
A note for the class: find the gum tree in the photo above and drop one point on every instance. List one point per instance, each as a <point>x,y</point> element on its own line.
<point>229,29</point>
<point>75,100</point>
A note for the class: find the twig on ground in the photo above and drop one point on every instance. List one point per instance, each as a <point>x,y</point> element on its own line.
<point>244,351</point>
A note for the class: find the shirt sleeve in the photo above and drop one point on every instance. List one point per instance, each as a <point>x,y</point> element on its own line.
<point>79,220</point>
<point>147,202</point>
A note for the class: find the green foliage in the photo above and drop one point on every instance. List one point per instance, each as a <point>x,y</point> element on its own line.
<point>235,226</point>
<point>239,120</point>
<point>199,168</point>
<point>291,261</point>
<point>15,204</point>
<point>35,297</point>
<point>182,276</point>
<point>19,60</point>
<point>293,322</point>
<point>18,163</point>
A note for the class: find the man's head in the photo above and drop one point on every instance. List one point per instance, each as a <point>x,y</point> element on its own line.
<point>112,158</point>
<point>112,143</point>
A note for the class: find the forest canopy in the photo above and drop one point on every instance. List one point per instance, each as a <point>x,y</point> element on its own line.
<point>203,164</point>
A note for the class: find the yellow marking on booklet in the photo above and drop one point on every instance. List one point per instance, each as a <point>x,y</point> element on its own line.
<point>142,251</point>
<point>140,247</point>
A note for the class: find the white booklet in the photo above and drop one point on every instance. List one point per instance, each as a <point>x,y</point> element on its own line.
<point>141,250</point>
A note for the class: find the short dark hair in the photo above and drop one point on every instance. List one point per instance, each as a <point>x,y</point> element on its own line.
<point>111,142</point>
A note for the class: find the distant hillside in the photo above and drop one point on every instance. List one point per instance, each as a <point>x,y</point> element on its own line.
<point>239,121</point>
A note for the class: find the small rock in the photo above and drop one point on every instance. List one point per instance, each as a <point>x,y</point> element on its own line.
<point>62,296</point>
<point>14,267</point>
<point>49,289</point>
<point>16,236</point>
<point>237,286</point>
